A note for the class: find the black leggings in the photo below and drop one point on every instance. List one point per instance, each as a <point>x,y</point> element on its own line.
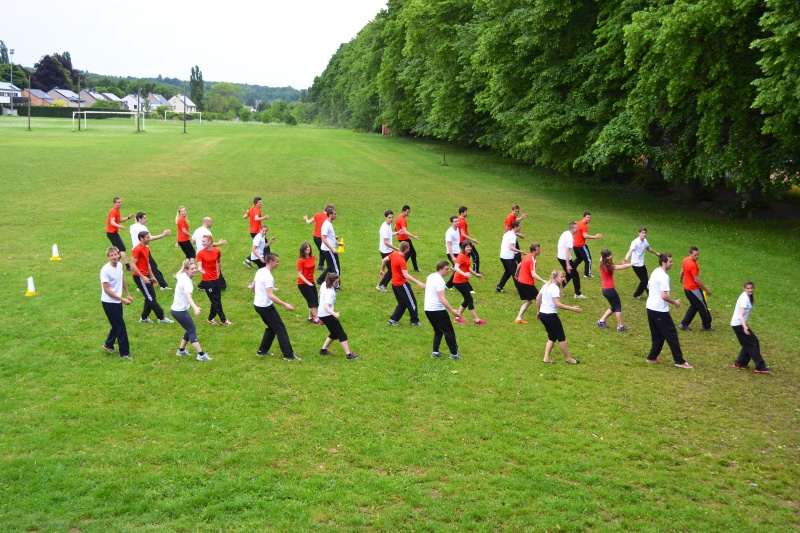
<point>464,289</point>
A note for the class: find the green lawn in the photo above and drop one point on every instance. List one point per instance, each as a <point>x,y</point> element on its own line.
<point>395,440</point>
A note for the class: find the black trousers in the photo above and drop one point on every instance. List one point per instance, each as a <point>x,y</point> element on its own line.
<point>574,275</point>
<point>405,300</point>
<point>751,348</point>
<point>275,328</point>
<point>697,304</point>
<point>412,253</point>
<point>442,327</point>
<point>641,273</point>
<point>387,278</point>
<point>318,242</point>
<point>214,293</point>
<point>150,302</point>
<point>583,255</point>
<point>510,267</point>
<point>466,292</point>
<point>476,260</point>
<point>331,265</point>
<point>118,331</point>
<point>662,328</point>
<point>157,273</point>
<point>449,283</point>
<point>252,236</point>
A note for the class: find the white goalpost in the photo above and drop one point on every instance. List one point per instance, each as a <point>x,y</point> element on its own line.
<point>85,113</point>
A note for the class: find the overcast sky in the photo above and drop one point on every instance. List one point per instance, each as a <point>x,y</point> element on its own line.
<point>264,42</point>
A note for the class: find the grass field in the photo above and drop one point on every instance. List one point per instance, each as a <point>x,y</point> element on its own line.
<point>395,441</point>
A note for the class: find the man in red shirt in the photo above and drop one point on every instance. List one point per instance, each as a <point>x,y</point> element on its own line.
<point>401,227</point>
<point>581,248</point>
<point>254,214</point>
<point>144,280</point>
<point>112,229</point>
<point>696,291</point>
<point>512,217</point>
<point>208,265</point>
<point>318,219</point>
<point>463,229</point>
<point>402,290</point>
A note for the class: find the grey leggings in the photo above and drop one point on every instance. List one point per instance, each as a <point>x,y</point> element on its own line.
<point>185,320</point>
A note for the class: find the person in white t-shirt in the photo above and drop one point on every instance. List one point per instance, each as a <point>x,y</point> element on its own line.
<point>385,246</point>
<point>508,255</point>
<point>751,348</point>
<point>329,248</point>
<point>564,253</point>
<point>180,310</point>
<point>638,248</point>
<point>264,303</point>
<point>662,328</point>
<point>261,247</point>
<point>330,317</point>
<point>548,302</point>
<point>436,308</point>
<point>452,242</point>
<point>113,296</point>
<point>138,227</point>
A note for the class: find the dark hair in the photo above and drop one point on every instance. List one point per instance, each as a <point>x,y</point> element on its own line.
<point>143,234</point>
<point>663,258</point>
<point>330,277</point>
<point>642,229</point>
<point>514,224</point>
<point>115,199</point>
<point>452,218</point>
<point>329,211</point>
<point>441,264</point>
<point>534,245</point>
<point>606,262</point>
<point>404,246</point>
<point>515,206</point>
<point>302,247</point>
<point>388,212</point>
<point>405,208</point>
<point>746,283</point>
<point>269,258</point>
<point>464,244</point>
<point>462,209</point>
<point>693,249</point>
<point>586,213</point>
<point>140,215</point>
<point>572,225</point>
<point>256,199</point>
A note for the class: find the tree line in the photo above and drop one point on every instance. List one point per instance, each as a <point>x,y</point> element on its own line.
<point>651,91</point>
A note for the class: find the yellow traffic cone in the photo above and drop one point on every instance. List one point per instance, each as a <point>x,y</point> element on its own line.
<point>31,289</point>
<point>340,248</point>
<point>55,256</point>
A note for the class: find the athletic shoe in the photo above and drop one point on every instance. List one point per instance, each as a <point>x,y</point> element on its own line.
<point>262,354</point>
<point>450,288</point>
<point>684,365</point>
<point>416,324</point>
<point>181,352</point>
<point>739,366</point>
<point>709,328</point>
<point>126,357</point>
<point>762,371</point>
<point>473,292</point>
<point>146,321</point>
<point>588,276</point>
<point>602,324</point>
<point>581,297</point>
<point>380,288</point>
<point>417,270</point>
<point>684,328</point>
<point>310,319</point>
<point>166,320</point>
<point>227,323</point>
<point>318,322</point>
<point>251,285</point>
<point>656,360</point>
<point>321,267</point>
<point>112,351</point>
<point>203,357</point>
<point>520,321</point>
<point>325,352</point>
<point>436,354</point>
<point>351,356</point>
<point>166,288</point>
<point>212,322</point>
<point>622,328</point>
<point>637,297</point>
<point>499,289</point>
<point>246,263</point>
<point>392,322</point>
<point>479,322</point>
<point>291,357</point>
<point>455,356</point>
<point>459,320</point>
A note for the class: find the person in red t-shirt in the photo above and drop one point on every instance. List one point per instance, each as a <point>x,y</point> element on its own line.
<point>184,234</point>
<point>582,253</point>
<point>112,229</point>
<point>400,286</point>
<point>696,291</point>
<point>463,229</point>
<point>607,268</point>
<point>461,282</point>
<point>254,214</point>
<point>318,219</point>
<point>524,280</point>
<point>144,280</point>
<point>401,227</point>
<point>305,281</point>
<point>208,263</point>
<point>512,217</point>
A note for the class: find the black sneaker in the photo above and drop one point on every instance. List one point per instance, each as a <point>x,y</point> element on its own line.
<point>684,328</point>
<point>352,356</point>
<point>292,357</point>
<point>416,324</point>
<point>325,352</point>
<point>436,354</point>
<point>709,328</point>
<point>262,354</point>
<point>499,289</point>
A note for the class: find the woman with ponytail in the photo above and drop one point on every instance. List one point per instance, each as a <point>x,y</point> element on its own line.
<point>548,302</point>
<point>180,310</point>
<point>330,317</point>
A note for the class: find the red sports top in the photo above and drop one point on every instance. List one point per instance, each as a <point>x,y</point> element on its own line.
<point>183,225</point>
<point>115,216</point>
<point>462,226</point>
<point>463,262</point>
<point>400,223</point>
<point>607,277</point>
<point>525,270</point>
<point>141,254</point>
<point>510,219</point>
<point>306,265</point>
<point>690,270</point>
<point>255,225</point>
<point>579,240</point>
<point>319,219</point>
<point>398,262</point>
<point>208,260</point>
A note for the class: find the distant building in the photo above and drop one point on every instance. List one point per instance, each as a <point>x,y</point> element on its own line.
<point>68,97</point>
<point>178,102</point>
<point>157,100</point>
<point>111,97</point>
<point>91,97</point>
<point>133,103</point>
<point>38,97</point>
<point>7,92</point>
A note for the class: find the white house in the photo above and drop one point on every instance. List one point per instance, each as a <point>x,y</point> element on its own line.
<point>132,103</point>
<point>177,103</point>
<point>7,92</point>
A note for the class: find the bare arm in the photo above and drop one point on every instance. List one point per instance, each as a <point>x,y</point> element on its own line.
<point>667,298</point>
<point>192,304</point>
<point>160,236</point>
<point>557,302</point>
<point>702,285</point>
<point>444,302</point>
<point>275,299</point>
<point>409,277</point>
<point>112,294</point>
<point>744,321</point>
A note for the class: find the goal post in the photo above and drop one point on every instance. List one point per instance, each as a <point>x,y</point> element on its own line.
<point>85,114</point>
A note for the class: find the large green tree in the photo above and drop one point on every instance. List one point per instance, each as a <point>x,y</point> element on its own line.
<point>222,98</point>
<point>196,88</point>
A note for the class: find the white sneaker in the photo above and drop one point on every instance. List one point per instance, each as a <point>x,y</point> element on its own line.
<point>181,352</point>
<point>146,321</point>
<point>581,297</point>
<point>381,288</point>
<point>166,320</point>
<point>203,357</point>
<point>166,288</point>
